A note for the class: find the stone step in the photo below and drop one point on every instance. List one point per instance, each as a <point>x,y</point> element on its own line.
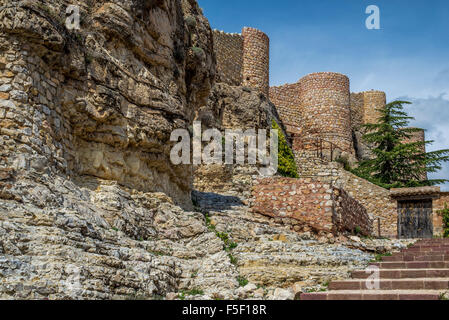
<point>443,240</point>
<point>433,248</point>
<point>422,252</point>
<point>412,265</point>
<point>418,257</point>
<point>392,284</point>
<point>374,295</point>
<point>403,273</point>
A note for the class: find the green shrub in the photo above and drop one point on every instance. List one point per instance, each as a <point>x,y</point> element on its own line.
<point>344,162</point>
<point>199,52</point>
<point>242,281</point>
<point>286,159</point>
<point>445,214</point>
<point>190,21</point>
<point>232,259</point>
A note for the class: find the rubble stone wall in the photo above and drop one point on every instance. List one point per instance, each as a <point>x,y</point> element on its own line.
<point>437,217</point>
<point>325,108</point>
<point>357,110</point>
<point>306,200</point>
<point>312,203</point>
<point>286,98</point>
<point>228,48</point>
<point>351,215</point>
<point>256,60</point>
<point>372,101</point>
<point>377,201</point>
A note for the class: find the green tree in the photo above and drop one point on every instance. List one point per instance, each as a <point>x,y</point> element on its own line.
<point>286,159</point>
<point>397,163</point>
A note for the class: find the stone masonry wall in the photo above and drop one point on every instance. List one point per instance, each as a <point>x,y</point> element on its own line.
<point>357,110</point>
<point>286,98</point>
<point>228,48</point>
<point>311,204</point>
<point>351,215</point>
<point>373,100</point>
<point>256,60</point>
<point>438,204</point>
<point>375,199</point>
<point>419,136</point>
<point>325,108</point>
<point>306,200</point>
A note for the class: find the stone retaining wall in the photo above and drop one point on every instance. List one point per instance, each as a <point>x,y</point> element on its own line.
<point>351,215</point>
<point>305,200</point>
<point>375,199</point>
<point>311,203</point>
<point>438,205</point>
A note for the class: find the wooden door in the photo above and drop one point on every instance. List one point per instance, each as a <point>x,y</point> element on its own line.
<point>415,219</point>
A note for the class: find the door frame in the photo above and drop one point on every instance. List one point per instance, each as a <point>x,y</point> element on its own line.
<point>401,212</point>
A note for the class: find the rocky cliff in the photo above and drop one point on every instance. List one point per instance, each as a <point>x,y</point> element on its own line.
<point>85,122</point>
<point>102,101</point>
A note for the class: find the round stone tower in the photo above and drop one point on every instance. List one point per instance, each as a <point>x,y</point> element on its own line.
<point>256,60</point>
<point>418,136</point>
<point>373,100</point>
<point>325,109</point>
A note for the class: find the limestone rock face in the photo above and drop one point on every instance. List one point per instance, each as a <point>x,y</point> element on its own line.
<point>97,240</point>
<point>103,100</point>
<point>237,108</point>
<point>88,196</point>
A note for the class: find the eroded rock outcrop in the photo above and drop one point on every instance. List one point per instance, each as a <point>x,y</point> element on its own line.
<point>102,100</point>
<point>85,122</point>
<point>236,108</point>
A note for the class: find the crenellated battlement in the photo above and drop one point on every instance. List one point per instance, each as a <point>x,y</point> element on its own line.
<point>243,58</point>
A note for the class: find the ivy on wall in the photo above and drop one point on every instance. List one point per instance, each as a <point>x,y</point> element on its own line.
<point>286,159</point>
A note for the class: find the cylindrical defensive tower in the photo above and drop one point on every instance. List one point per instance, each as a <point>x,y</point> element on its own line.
<point>418,136</point>
<point>325,109</point>
<point>372,101</point>
<point>357,110</point>
<point>256,60</point>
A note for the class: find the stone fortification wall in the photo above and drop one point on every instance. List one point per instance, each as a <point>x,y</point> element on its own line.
<point>228,48</point>
<point>286,98</point>
<point>372,101</point>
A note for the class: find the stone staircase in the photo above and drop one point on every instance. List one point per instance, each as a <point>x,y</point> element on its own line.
<point>420,272</point>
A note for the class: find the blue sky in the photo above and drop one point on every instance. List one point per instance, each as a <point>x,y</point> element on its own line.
<point>407,58</point>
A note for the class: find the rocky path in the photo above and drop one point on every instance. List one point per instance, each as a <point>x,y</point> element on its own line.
<point>420,272</point>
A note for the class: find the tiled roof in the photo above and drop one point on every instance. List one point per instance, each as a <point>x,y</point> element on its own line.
<point>419,191</point>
